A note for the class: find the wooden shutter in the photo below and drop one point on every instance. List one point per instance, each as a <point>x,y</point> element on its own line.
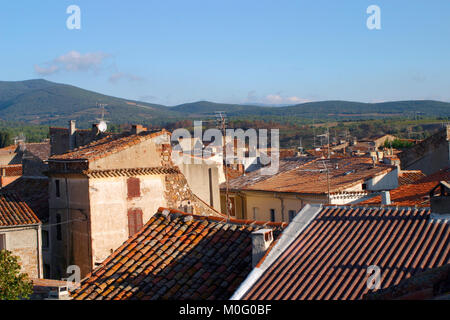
<point>2,242</point>
<point>134,187</point>
<point>135,221</point>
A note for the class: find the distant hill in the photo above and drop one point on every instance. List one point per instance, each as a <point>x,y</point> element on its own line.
<point>44,102</point>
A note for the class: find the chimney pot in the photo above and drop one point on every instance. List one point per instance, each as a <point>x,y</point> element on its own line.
<point>137,128</point>
<point>385,198</point>
<point>261,240</point>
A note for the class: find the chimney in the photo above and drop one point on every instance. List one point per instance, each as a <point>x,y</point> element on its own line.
<point>95,129</point>
<point>261,240</point>
<point>137,128</point>
<point>385,198</point>
<point>72,130</point>
<point>440,201</point>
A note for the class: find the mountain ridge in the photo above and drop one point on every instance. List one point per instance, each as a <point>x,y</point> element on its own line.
<point>39,101</point>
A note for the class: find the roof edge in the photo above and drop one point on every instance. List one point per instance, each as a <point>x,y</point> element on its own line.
<point>294,229</point>
<point>224,219</point>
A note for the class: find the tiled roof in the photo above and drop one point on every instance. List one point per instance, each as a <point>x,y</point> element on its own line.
<point>177,256</point>
<point>431,284</point>
<point>11,170</point>
<point>312,177</point>
<point>409,176</point>
<point>106,146</point>
<point>250,178</point>
<point>34,193</point>
<point>40,150</point>
<point>14,211</point>
<point>329,259</point>
<point>414,194</point>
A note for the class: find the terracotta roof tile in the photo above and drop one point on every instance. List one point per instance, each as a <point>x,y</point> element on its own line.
<point>409,176</point>
<point>433,283</point>
<point>311,177</point>
<point>14,211</point>
<point>414,194</point>
<point>178,256</point>
<point>329,258</point>
<point>108,145</point>
<point>34,193</point>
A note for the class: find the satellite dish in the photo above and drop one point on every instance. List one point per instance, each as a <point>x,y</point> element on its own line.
<point>102,126</point>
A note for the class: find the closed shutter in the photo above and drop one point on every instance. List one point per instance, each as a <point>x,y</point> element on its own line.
<point>135,222</point>
<point>2,242</point>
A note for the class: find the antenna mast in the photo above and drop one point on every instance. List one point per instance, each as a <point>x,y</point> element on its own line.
<point>222,123</point>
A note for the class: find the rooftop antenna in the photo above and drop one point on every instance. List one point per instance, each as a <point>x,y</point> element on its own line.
<point>222,124</point>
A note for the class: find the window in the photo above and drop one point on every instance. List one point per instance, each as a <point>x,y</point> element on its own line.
<point>44,239</point>
<point>47,274</point>
<point>134,187</point>
<point>272,215</point>
<point>2,242</point>
<point>232,206</point>
<point>57,189</point>
<point>211,200</point>
<point>58,227</point>
<point>135,222</point>
<point>255,213</point>
<point>291,215</point>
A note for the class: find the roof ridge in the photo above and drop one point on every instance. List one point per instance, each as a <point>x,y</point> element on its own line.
<point>224,219</point>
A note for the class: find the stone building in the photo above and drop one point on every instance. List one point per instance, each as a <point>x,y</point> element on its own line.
<point>303,181</point>
<point>20,233</point>
<point>102,193</point>
<point>430,155</point>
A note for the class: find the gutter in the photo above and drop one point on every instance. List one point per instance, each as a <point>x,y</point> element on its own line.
<point>292,231</point>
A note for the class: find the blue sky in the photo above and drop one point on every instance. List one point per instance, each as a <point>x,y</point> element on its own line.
<point>245,51</point>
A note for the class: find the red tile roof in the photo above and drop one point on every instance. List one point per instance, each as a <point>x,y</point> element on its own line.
<point>14,211</point>
<point>431,284</point>
<point>311,178</point>
<point>11,170</point>
<point>409,176</point>
<point>253,177</point>
<point>34,193</point>
<point>178,256</point>
<point>414,194</point>
<point>329,258</point>
<point>107,146</point>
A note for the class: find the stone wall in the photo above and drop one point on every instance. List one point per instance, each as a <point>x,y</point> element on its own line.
<point>23,242</point>
<point>430,155</point>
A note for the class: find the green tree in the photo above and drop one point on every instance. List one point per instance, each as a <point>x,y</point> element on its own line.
<point>13,284</point>
<point>5,139</point>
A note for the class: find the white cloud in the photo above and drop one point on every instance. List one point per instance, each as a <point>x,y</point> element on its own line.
<point>279,99</point>
<point>73,61</point>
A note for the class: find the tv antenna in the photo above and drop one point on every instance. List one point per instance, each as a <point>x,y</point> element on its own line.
<point>222,124</point>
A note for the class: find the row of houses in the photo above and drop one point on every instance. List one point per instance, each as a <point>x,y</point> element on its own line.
<point>140,225</point>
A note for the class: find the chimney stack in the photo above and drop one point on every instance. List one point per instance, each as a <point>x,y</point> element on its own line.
<point>137,128</point>
<point>72,130</point>
<point>440,202</point>
<point>385,198</point>
<point>261,240</point>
